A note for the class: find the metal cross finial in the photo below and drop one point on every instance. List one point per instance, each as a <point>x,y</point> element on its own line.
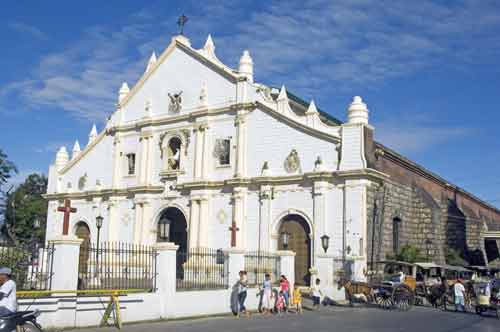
<point>181,22</point>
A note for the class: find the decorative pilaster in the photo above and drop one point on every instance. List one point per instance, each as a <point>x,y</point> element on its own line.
<point>207,153</point>
<point>117,162</point>
<point>199,150</point>
<point>194,222</point>
<point>146,156</point>
<point>320,213</point>
<point>265,223</point>
<point>113,219</point>
<point>241,150</point>
<point>204,220</point>
<point>239,214</point>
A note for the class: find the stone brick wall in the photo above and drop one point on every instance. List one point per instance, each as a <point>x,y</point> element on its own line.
<point>419,221</point>
<point>429,208</point>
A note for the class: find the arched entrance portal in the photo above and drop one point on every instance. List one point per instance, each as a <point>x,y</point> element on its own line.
<point>300,243</point>
<point>173,222</point>
<point>82,231</point>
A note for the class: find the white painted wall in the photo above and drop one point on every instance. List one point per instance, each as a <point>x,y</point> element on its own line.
<point>179,72</point>
<point>270,139</point>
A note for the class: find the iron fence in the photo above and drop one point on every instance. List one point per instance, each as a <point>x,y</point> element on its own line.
<point>117,265</point>
<point>202,268</point>
<point>260,263</point>
<point>31,265</point>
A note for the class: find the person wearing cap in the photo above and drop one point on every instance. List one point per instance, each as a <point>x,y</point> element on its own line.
<point>8,301</point>
<point>459,291</point>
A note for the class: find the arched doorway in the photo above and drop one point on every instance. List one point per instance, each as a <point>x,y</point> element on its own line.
<point>300,243</point>
<point>82,231</point>
<point>173,222</point>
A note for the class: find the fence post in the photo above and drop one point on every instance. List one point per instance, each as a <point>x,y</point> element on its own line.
<point>166,276</point>
<point>64,263</point>
<point>236,264</point>
<point>287,265</point>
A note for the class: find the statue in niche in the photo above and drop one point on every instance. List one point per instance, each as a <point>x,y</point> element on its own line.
<point>174,153</point>
<point>175,102</point>
<point>222,151</point>
<point>82,181</point>
<point>292,162</point>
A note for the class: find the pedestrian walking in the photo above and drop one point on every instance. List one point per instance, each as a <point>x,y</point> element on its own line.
<point>285,288</point>
<point>297,300</point>
<point>267,295</point>
<point>316,293</point>
<point>459,291</point>
<point>280,303</point>
<point>242,293</point>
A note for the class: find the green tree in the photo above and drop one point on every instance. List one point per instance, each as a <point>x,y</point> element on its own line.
<point>409,254</point>
<point>7,169</point>
<point>25,207</point>
<point>453,257</point>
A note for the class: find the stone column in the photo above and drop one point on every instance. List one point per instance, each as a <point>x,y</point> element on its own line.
<point>151,161</point>
<point>240,123</point>
<point>65,259</point>
<point>236,264</point>
<point>165,280</point>
<point>287,265</point>
<point>239,216</point>
<point>193,222</point>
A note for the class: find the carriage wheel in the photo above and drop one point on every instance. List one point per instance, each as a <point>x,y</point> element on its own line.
<point>384,301</point>
<point>403,297</point>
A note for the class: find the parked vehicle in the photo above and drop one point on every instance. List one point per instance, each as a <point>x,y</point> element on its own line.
<point>22,321</point>
<point>487,299</point>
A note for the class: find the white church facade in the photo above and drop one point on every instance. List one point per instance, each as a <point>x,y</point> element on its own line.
<point>222,161</point>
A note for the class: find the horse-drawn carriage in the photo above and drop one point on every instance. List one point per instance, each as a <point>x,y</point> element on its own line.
<point>392,288</point>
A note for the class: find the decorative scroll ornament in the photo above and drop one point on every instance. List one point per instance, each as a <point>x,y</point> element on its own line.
<point>175,102</point>
<point>82,181</point>
<point>292,162</point>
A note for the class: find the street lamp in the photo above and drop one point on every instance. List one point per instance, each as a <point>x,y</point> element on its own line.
<point>164,229</point>
<point>98,222</point>
<point>325,242</point>
<point>285,239</point>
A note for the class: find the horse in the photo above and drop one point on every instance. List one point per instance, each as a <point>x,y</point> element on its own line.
<point>356,287</point>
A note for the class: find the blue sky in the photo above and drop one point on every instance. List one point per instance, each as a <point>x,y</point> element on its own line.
<point>429,72</point>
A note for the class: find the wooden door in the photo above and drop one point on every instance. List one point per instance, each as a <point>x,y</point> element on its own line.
<point>83,232</point>
<point>299,243</point>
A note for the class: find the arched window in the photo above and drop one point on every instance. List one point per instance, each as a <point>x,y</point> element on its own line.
<point>396,229</point>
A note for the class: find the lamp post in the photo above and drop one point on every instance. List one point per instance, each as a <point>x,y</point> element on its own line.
<point>98,223</point>
<point>164,229</point>
<point>285,238</point>
<point>325,242</point>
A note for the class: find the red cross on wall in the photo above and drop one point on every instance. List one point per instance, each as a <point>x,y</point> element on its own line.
<point>233,230</point>
<point>67,209</point>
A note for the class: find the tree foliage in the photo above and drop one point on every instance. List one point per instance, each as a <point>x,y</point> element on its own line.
<point>453,257</point>
<point>7,169</point>
<point>24,206</point>
<point>409,254</point>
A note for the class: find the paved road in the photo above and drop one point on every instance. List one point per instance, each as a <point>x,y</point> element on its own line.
<point>331,319</point>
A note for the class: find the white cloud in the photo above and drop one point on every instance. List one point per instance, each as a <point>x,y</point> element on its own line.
<point>30,30</point>
<point>409,138</point>
<point>319,48</point>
